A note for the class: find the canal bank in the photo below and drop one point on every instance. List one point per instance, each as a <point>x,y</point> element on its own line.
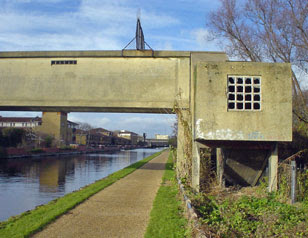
<point>29,222</point>
<point>20,153</point>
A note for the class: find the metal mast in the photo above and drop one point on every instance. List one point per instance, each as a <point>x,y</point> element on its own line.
<point>139,36</point>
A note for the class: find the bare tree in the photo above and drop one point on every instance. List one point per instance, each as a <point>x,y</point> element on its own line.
<point>85,127</point>
<point>266,30</point>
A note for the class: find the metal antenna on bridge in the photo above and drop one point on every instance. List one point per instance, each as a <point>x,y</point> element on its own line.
<point>139,36</point>
<point>140,42</point>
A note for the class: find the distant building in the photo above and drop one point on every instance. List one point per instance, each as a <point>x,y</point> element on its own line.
<point>99,137</point>
<point>82,137</point>
<point>71,131</point>
<point>90,138</point>
<point>72,125</point>
<point>161,137</point>
<point>120,141</point>
<point>102,131</point>
<point>132,136</point>
<point>52,123</point>
<point>20,122</point>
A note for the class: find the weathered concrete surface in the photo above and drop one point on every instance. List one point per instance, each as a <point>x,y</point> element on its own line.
<point>100,81</point>
<point>55,124</point>
<point>121,210</point>
<point>213,121</point>
<point>273,169</point>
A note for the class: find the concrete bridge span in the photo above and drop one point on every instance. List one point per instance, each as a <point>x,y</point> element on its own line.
<point>221,103</point>
<point>96,81</point>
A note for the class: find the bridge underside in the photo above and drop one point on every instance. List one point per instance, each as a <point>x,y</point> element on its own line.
<point>89,109</point>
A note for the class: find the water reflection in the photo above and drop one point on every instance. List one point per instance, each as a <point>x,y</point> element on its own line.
<point>26,183</point>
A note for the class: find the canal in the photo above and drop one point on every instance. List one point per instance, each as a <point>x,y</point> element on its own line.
<point>27,183</point>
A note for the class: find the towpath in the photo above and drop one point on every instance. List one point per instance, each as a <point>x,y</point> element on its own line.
<point>120,210</point>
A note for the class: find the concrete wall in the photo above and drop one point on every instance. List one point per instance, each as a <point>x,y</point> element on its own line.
<point>106,83</point>
<point>213,121</point>
<point>55,124</point>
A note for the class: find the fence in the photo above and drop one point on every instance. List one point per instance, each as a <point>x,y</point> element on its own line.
<point>293,181</point>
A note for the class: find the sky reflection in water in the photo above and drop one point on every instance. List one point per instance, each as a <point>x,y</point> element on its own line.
<point>27,183</point>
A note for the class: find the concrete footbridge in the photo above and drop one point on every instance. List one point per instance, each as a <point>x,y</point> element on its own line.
<point>222,104</point>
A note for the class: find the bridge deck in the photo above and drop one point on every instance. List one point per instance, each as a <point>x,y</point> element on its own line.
<point>97,81</point>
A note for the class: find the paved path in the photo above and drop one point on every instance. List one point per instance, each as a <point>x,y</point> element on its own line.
<point>120,210</point>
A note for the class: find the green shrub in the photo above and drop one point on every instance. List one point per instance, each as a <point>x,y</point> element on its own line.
<point>37,150</point>
<point>67,148</point>
<point>2,152</point>
<point>48,141</point>
<point>249,216</point>
<point>12,137</point>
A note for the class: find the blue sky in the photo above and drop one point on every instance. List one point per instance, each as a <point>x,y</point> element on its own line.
<point>27,25</point>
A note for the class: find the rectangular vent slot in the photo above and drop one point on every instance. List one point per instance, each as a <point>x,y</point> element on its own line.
<point>63,62</point>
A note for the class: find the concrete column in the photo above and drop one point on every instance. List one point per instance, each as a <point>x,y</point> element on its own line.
<point>195,166</point>
<point>180,151</point>
<point>273,169</point>
<point>220,164</point>
<point>181,164</point>
<point>55,124</point>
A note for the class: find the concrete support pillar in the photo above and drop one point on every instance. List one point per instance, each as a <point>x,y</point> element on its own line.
<point>180,152</point>
<point>182,162</point>
<point>220,164</point>
<point>195,166</point>
<point>273,169</point>
<point>55,124</point>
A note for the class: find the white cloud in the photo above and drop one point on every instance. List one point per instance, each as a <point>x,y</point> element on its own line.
<point>200,35</point>
<point>202,38</point>
<point>20,114</point>
<point>14,42</point>
<point>103,25</point>
<point>111,12</point>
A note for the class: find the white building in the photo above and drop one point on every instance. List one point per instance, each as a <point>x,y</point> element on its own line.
<point>161,137</point>
<point>20,122</point>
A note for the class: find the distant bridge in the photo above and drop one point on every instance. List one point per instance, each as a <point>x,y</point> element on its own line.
<point>157,142</point>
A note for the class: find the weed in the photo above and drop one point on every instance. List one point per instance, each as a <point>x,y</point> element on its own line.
<point>184,120</point>
<point>37,150</point>
<point>249,216</point>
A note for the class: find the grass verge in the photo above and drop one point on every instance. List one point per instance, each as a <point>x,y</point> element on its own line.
<point>166,219</point>
<point>32,221</point>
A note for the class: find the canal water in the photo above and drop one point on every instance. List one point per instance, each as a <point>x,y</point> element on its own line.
<point>27,183</point>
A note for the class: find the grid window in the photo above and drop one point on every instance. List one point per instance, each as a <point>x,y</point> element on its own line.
<point>244,93</point>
